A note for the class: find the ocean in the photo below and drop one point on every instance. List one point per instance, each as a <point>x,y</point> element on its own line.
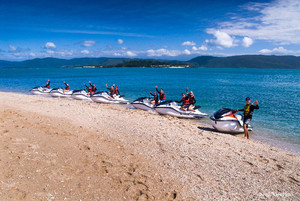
<point>277,91</point>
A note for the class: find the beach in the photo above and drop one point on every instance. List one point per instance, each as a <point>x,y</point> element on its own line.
<point>62,149</point>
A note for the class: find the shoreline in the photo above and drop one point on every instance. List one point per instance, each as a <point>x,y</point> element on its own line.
<point>80,150</point>
<point>284,145</point>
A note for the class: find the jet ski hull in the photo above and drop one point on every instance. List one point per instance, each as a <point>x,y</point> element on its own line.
<point>80,95</point>
<point>59,93</point>
<point>173,109</point>
<point>40,91</point>
<point>105,98</point>
<point>228,122</point>
<point>142,104</point>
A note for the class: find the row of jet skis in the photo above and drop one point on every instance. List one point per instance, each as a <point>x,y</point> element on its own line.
<point>223,120</point>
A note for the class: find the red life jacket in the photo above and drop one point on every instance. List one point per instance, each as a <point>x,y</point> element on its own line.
<point>185,101</point>
<point>94,89</point>
<point>162,96</point>
<point>116,91</point>
<point>191,99</point>
<point>48,86</point>
<point>67,87</point>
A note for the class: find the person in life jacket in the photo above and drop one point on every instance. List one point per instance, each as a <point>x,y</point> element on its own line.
<point>67,87</point>
<point>162,95</point>
<point>248,112</point>
<point>93,88</point>
<point>192,99</point>
<point>185,102</point>
<point>111,90</point>
<point>89,89</point>
<point>48,84</point>
<point>155,98</point>
<point>116,91</point>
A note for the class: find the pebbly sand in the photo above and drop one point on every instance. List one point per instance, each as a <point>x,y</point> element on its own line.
<point>60,149</point>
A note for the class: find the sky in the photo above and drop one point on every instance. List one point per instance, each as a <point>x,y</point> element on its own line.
<point>160,29</point>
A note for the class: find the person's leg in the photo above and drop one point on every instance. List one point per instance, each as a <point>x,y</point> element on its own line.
<point>246,131</point>
<point>191,108</point>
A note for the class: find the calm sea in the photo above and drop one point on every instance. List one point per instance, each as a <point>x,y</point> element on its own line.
<point>278,91</point>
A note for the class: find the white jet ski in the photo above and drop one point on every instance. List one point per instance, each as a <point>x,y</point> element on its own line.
<point>172,108</point>
<point>104,97</point>
<point>224,120</point>
<point>80,95</point>
<point>59,92</point>
<point>143,103</point>
<point>40,91</point>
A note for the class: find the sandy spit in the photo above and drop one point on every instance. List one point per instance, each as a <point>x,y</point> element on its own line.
<point>61,149</point>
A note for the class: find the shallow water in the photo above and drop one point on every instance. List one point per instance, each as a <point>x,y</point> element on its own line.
<point>277,90</point>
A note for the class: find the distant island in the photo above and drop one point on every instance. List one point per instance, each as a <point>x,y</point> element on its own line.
<point>243,61</point>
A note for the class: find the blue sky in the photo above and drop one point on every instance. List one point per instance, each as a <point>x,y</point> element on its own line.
<point>147,29</point>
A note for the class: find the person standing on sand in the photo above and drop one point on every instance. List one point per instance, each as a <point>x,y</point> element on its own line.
<point>248,112</point>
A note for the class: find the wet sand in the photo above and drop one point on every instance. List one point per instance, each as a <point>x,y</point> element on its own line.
<point>61,149</point>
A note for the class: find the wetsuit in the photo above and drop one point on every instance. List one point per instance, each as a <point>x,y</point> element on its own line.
<point>155,97</point>
<point>248,112</point>
<point>48,85</point>
<point>162,96</point>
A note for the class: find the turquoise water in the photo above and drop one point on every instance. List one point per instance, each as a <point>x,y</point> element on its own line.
<point>277,90</point>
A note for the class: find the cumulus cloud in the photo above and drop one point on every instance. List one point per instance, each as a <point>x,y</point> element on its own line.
<point>247,42</point>
<point>223,39</point>
<point>275,21</point>
<point>186,51</point>
<point>120,41</point>
<point>188,43</point>
<point>202,47</point>
<point>50,45</point>
<point>85,51</point>
<point>279,50</point>
<point>131,54</point>
<point>88,43</point>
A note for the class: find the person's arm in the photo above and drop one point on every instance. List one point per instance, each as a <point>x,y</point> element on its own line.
<point>157,90</point>
<point>107,87</point>
<point>194,101</point>
<point>187,91</point>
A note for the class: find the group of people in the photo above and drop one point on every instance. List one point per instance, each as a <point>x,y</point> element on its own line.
<point>188,100</point>
<point>113,90</point>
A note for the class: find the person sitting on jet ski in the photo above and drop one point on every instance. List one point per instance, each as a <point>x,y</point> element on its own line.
<point>48,84</point>
<point>155,98</point>
<point>192,99</point>
<point>116,91</point>
<point>67,87</point>
<point>162,95</point>
<point>248,112</point>
<point>184,101</point>
<point>93,88</point>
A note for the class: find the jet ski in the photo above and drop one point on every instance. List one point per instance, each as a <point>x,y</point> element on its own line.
<point>172,108</point>
<point>224,120</point>
<point>143,103</point>
<point>80,95</point>
<point>104,97</point>
<point>59,92</point>
<point>40,91</point>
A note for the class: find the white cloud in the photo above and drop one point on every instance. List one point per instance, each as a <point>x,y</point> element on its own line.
<point>12,48</point>
<point>276,21</point>
<point>50,45</point>
<point>32,54</point>
<point>50,51</point>
<point>222,38</point>
<point>186,51</point>
<point>163,52</point>
<point>279,50</point>
<point>131,54</point>
<point>88,43</point>
<point>247,42</point>
<point>120,41</point>
<point>202,47</point>
<point>188,43</point>
<point>85,51</point>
